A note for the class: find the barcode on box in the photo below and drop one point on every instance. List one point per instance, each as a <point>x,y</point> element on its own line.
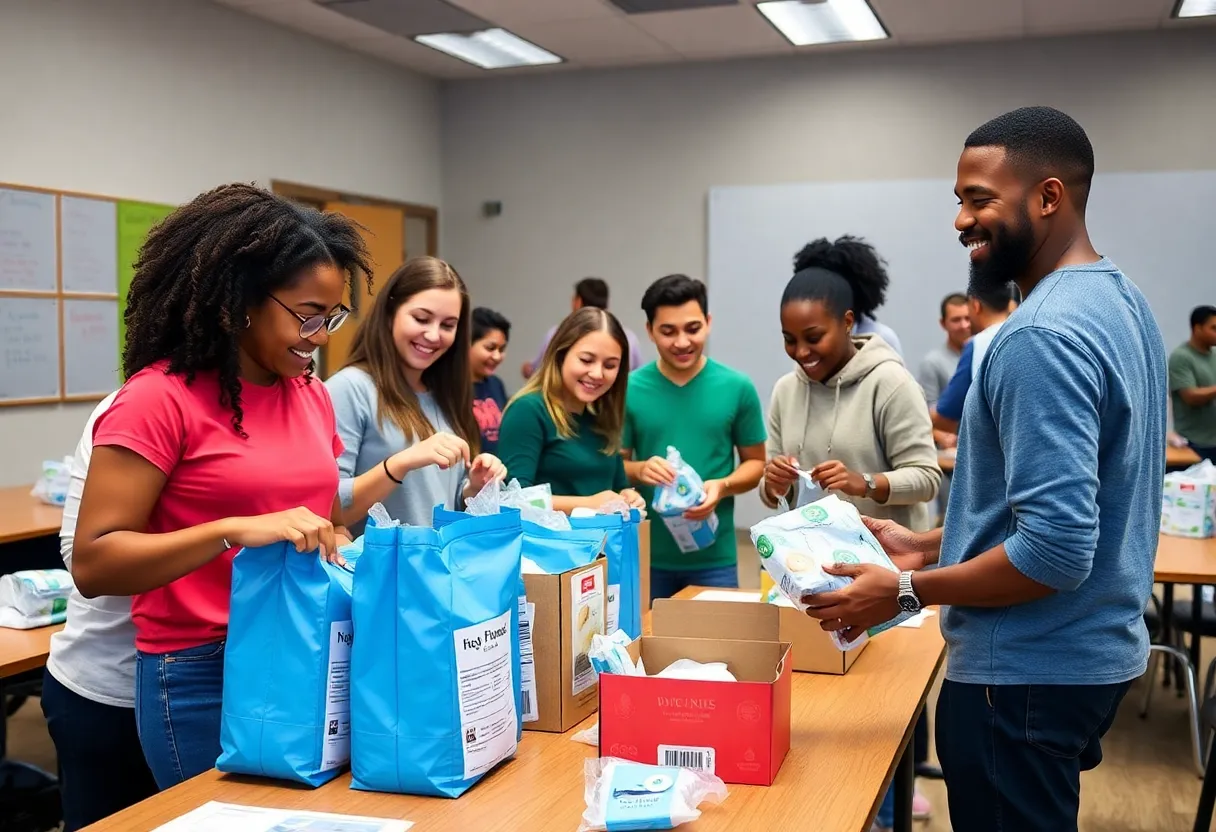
<point>687,756</point>
<point>582,664</point>
<point>530,714</point>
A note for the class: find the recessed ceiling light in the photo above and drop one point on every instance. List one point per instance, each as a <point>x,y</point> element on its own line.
<point>804,22</point>
<point>1195,8</point>
<point>490,49</point>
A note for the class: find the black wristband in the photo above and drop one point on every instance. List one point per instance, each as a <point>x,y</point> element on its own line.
<point>389,473</point>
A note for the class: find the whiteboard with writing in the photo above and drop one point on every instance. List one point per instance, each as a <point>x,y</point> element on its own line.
<point>89,241</point>
<point>90,347</point>
<point>29,348</point>
<point>27,241</point>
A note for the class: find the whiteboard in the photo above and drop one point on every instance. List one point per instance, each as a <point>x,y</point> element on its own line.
<point>27,241</point>
<point>1150,224</point>
<point>90,347</point>
<point>29,348</point>
<point>89,242</point>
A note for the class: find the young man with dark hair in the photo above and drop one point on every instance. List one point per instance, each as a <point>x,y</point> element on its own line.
<point>1044,568</point>
<point>1193,384</point>
<point>710,413</point>
<point>988,309</point>
<point>593,292</point>
<point>940,363</point>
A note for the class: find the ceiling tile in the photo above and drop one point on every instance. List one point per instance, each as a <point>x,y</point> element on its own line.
<point>509,13</point>
<point>598,42</point>
<point>416,17</point>
<point>306,16</point>
<point>929,21</point>
<point>737,30</point>
<point>1053,17</point>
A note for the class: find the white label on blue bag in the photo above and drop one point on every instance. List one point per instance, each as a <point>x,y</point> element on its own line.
<point>587,590</point>
<point>485,690</point>
<point>335,751</point>
<point>614,609</point>
<point>527,665</point>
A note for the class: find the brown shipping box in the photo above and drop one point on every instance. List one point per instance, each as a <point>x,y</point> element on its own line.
<point>696,613</point>
<point>566,610</point>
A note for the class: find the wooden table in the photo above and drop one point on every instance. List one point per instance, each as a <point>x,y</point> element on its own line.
<point>848,735</point>
<point>22,650</point>
<point>23,516</point>
<point>1174,458</point>
<point>1184,560</point>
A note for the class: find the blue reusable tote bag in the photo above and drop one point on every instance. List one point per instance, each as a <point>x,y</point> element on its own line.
<point>435,678</point>
<point>286,709</point>
<point>624,568</point>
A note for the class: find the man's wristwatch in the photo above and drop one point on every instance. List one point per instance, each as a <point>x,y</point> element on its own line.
<point>870,486</point>
<point>909,601</point>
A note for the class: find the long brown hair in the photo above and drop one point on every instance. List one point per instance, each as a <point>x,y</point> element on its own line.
<point>374,351</point>
<point>608,409</point>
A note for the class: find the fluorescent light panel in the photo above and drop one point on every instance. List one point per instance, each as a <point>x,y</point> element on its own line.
<point>490,49</point>
<point>1196,8</point>
<point>823,21</point>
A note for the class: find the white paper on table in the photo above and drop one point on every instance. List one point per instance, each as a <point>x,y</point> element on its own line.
<point>230,817</point>
<point>918,619</point>
<point>727,595</point>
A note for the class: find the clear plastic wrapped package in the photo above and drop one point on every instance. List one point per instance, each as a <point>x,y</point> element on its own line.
<point>623,796</point>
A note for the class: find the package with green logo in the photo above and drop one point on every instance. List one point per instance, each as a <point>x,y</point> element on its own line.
<point>34,598</point>
<point>795,547</point>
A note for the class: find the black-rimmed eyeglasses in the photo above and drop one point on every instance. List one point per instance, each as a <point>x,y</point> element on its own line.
<point>310,325</point>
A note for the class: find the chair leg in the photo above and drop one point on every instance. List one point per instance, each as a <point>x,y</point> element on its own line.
<point>1207,799</point>
<point>1150,678</point>
<point>1184,661</point>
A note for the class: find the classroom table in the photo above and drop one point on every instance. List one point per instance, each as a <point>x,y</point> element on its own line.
<point>848,735</point>
<point>1175,458</point>
<point>24,517</point>
<point>22,650</point>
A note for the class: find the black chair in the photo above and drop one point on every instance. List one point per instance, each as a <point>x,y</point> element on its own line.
<point>1207,796</point>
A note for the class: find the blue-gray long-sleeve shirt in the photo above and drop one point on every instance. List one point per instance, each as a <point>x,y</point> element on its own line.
<point>1061,457</point>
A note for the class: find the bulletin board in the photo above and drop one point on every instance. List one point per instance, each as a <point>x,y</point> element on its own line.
<point>66,262</point>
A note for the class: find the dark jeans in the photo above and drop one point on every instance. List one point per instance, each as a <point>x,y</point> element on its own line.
<point>178,701</point>
<point>665,583</point>
<point>101,765</point>
<point>1013,754</point>
<point>1204,453</point>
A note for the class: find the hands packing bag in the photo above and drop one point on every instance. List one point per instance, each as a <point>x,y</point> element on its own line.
<point>624,568</point>
<point>435,677</point>
<point>286,710</point>
<point>794,548</point>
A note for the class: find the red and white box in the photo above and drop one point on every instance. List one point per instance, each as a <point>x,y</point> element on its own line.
<point>738,730</point>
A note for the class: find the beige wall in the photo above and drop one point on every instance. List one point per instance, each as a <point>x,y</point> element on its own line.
<point>607,173</point>
<point>161,99</point>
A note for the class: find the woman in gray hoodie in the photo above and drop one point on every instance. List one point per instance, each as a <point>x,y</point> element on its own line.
<point>850,413</point>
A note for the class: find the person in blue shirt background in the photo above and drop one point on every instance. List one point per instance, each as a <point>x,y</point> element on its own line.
<point>1046,557</point>
<point>488,348</point>
<point>989,308</point>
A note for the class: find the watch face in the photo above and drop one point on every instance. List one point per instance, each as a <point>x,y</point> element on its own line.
<point>908,603</point>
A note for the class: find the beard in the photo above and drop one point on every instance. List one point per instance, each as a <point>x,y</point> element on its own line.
<point>1010,251</point>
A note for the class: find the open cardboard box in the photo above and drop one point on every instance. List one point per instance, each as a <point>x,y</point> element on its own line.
<point>566,610</point>
<point>738,730</point>
<point>706,612</point>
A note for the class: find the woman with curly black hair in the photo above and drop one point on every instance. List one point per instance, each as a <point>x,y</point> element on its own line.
<point>219,439</point>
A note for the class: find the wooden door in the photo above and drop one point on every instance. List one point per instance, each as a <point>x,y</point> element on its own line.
<point>385,237</point>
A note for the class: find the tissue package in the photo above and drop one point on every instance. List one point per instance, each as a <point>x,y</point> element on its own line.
<point>286,711</point>
<point>671,501</point>
<point>1188,502</point>
<point>795,547</point>
<point>34,598</point>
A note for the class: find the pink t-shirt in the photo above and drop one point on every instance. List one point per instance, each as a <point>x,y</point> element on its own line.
<point>287,461</point>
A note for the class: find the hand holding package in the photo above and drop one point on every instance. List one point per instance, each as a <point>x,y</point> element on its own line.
<point>622,796</point>
<point>795,547</point>
<point>671,501</point>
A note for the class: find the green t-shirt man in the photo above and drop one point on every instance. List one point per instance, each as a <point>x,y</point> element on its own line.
<point>1190,369</point>
<point>706,419</point>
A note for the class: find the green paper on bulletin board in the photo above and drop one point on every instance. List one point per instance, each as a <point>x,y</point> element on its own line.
<point>135,220</point>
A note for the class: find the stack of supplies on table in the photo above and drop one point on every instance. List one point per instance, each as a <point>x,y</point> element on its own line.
<point>1188,503</point>
<point>34,598</point>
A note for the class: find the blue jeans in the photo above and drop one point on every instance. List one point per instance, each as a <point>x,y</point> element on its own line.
<point>101,765</point>
<point>178,699</point>
<point>665,583</point>
<point>1013,754</point>
<point>886,810</point>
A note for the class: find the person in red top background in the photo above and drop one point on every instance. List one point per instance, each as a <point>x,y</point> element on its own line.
<point>219,439</point>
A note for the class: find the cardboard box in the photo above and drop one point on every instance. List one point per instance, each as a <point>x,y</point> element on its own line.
<point>739,730</point>
<point>715,613</point>
<point>564,611</point>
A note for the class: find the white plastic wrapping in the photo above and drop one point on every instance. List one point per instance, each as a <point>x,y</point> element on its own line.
<point>623,796</point>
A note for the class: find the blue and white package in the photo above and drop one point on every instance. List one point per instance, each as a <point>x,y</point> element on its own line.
<point>671,501</point>
<point>623,796</point>
<point>621,547</point>
<point>435,677</point>
<point>286,710</point>
<point>794,548</point>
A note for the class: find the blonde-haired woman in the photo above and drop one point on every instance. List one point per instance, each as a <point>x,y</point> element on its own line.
<point>403,402</point>
<point>564,427</point>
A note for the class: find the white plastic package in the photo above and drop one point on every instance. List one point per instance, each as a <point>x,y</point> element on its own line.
<point>671,501</point>
<point>52,485</point>
<point>704,671</point>
<point>380,514</point>
<point>608,654</point>
<point>806,491</point>
<point>1188,502</point>
<point>795,547</point>
<point>34,598</point>
<point>623,796</point>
